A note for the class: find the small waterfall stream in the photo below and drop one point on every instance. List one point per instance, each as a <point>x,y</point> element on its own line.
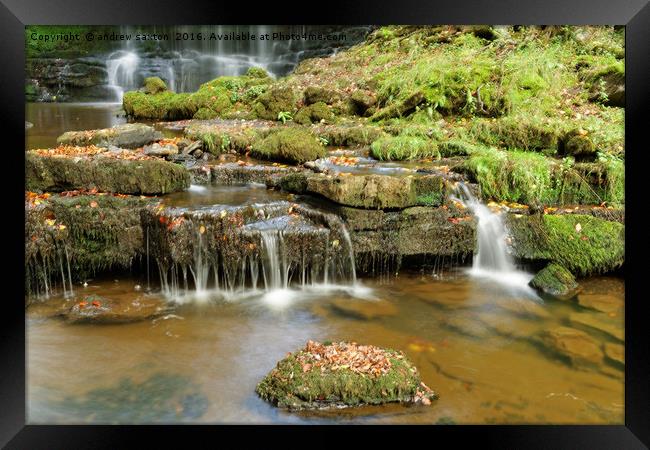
<point>492,259</point>
<point>296,254</point>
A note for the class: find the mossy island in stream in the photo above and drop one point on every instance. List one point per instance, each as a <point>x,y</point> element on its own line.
<point>343,374</point>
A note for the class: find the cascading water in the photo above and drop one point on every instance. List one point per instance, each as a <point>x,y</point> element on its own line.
<point>121,67</point>
<point>492,259</point>
<point>184,64</point>
<point>289,252</point>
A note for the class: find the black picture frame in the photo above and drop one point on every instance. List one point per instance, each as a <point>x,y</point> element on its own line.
<point>14,14</point>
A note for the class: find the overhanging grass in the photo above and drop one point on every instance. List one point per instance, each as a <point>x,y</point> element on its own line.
<point>399,148</point>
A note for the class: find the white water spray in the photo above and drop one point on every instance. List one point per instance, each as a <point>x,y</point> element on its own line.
<point>492,259</point>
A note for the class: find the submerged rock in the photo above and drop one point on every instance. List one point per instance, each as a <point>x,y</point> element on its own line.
<point>610,304</point>
<point>364,309</point>
<point>96,309</point>
<point>578,347</point>
<point>591,321</point>
<point>615,352</point>
<point>342,375</point>
<point>555,281</point>
<point>128,135</point>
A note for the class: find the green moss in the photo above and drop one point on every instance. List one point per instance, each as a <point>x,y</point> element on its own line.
<point>531,178</point>
<point>400,148</point>
<point>555,281</point>
<point>154,85</point>
<point>216,98</point>
<point>294,182</point>
<point>218,141</point>
<point>523,133</point>
<point>316,94</point>
<point>54,174</point>
<point>598,246</point>
<point>257,72</point>
<point>317,112</point>
<point>288,386</point>
<point>350,135</point>
<point>289,144</point>
<point>274,101</point>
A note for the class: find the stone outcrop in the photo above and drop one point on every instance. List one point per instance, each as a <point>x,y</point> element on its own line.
<point>127,135</point>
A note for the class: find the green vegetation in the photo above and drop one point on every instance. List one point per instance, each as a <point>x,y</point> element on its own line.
<point>399,148</point>
<point>555,281</point>
<point>289,144</point>
<point>293,385</point>
<point>220,97</point>
<point>582,244</point>
<point>154,85</point>
<point>532,178</point>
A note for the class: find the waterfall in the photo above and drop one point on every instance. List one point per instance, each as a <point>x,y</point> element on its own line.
<point>492,259</point>
<point>288,253</point>
<point>184,64</point>
<point>122,67</point>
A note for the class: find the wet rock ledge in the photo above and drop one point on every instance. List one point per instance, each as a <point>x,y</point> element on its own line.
<point>336,375</point>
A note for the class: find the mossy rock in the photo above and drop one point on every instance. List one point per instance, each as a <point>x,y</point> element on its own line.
<point>316,94</point>
<point>315,113</point>
<point>576,143</point>
<point>257,72</point>
<point>161,106</point>
<point>96,233</point>
<point>555,281</point>
<point>349,135</point>
<point>294,182</point>
<point>361,101</point>
<point>274,101</point>
<point>305,380</point>
<point>583,244</point>
<point>154,85</point>
<point>399,148</point>
<point>289,144</point>
<point>128,135</point>
<point>379,191</point>
<point>57,174</point>
<point>401,109</point>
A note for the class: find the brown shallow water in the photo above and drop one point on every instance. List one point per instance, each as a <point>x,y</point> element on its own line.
<point>202,363</point>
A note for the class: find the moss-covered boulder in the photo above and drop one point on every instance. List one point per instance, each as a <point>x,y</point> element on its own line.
<point>103,173</point>
<point>349,135</point>
<point>257,72</point>
<point>154,85</point>
<point>289,144</point>
<point>607,84</point>
<point>578,144</point>
<point>555,281</point>
<point>379,191</point>
<point>128,135</point>
<point>398,148</point>
<point>317,112</point>
<point>89,232</point>
<point>343,375</point>
<point>582,244</point>
<point>165,105</point>
<point>362,101</point>
<point>316,94</point>
<point>274,101</point>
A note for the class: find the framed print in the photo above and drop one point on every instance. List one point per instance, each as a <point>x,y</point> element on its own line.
<point>407,215</point>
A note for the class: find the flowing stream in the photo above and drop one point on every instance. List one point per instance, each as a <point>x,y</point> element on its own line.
<point>492,259</point>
